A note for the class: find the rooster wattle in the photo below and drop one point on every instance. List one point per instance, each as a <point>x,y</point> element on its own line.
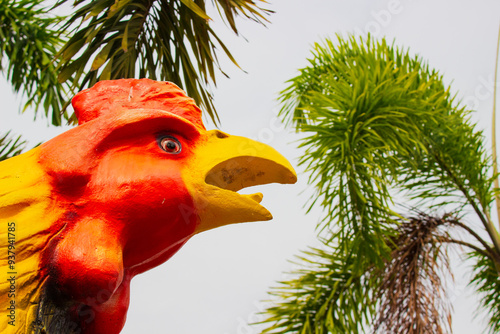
<point>119,194</point>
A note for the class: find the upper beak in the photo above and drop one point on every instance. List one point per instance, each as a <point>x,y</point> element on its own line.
<point>222,165</point>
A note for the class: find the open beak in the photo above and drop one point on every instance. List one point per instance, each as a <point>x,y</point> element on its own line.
<point>223,165</point>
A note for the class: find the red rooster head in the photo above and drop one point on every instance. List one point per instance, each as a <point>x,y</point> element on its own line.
<point>120,194</point>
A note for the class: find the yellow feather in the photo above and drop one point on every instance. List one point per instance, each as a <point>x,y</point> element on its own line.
<point>25,200</point>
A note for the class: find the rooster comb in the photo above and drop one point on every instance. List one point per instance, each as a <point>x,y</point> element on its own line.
<point>110,97</point>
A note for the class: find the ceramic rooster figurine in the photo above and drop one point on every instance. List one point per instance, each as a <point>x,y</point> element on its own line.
<point>119,194</point>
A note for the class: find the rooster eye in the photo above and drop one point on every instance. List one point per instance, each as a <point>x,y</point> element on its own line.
<point>170,144</point>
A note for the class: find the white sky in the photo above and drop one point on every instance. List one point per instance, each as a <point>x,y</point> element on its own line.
<point>216,283</point>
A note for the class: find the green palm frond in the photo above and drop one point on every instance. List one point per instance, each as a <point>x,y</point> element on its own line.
<point>10,147</point>
<point>163,40</point>
<point>382,131</point>
<point>381,122</point>
<point>330,295</point>
<point>29,39</point>
<point>487,282</point>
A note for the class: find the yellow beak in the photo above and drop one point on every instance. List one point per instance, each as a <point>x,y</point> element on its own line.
<point>221,166</point>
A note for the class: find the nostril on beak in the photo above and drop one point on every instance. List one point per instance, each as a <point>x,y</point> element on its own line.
<point>220,134</point>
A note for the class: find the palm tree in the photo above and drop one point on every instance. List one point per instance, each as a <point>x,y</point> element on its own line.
<point>29,41</point>
<point>398,169</point>
<point>49,57</point>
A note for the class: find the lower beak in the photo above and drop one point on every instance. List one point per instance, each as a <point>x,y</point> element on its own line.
<point>221,166</point>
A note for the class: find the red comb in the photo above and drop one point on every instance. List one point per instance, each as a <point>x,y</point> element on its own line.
<point>116,96</point>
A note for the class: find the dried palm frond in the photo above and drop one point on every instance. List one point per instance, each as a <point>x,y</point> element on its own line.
<point>412,296</point>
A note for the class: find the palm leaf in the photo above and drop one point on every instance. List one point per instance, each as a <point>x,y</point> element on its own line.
<point>29,39</point>
<point>381,122</point>
<point>330,295</point>
<point>487,282</point>
<point>163,40</point>
<point>381,130</point>
<point>10,147</point>
<point>411,292</point>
